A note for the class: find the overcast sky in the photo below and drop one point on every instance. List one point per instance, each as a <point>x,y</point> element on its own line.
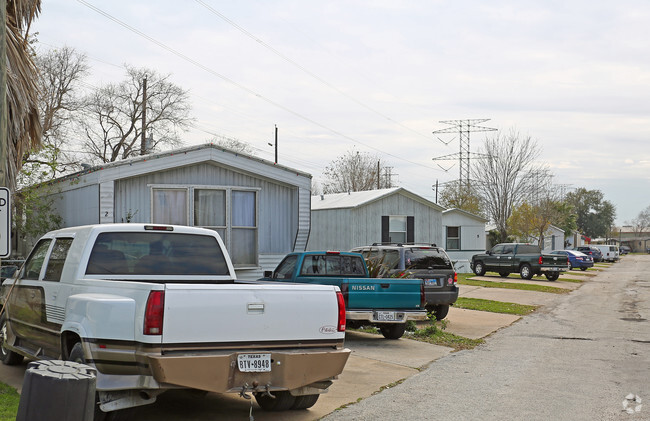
<point>380,75</point>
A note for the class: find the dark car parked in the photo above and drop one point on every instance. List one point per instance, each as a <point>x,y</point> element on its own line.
<point>592,251</point>
<point>427,262</point>
<point>577,260</point>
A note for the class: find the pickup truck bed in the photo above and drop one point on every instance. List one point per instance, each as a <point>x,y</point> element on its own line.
<point>385,302</point>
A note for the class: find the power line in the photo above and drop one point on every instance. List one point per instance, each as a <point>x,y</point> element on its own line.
<point>305,70</point>
<point>239,85</point>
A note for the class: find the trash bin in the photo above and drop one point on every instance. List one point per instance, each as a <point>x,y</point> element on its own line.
<point>57,390</point>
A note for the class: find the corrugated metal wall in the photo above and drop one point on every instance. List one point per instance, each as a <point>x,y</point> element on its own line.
<point>343,229</point>
<point>278,209</point>
<point>80,207</point>
<point>367,220</point>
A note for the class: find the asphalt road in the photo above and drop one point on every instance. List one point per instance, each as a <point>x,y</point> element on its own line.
<point>575,359</point>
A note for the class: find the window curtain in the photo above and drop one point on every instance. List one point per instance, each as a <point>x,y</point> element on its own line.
<point>170,206</point>
<point>210,208</point>
<point>244,228</point>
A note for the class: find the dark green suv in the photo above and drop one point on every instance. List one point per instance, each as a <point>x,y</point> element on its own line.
<point>427,262</point>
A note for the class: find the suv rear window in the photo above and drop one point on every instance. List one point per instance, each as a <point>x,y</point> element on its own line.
<point>424,258</point>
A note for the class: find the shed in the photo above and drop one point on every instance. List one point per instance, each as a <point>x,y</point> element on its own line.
<point>553,239</point>
<point>464,235</point>
<point>260,209</point>
<point>342,221</point>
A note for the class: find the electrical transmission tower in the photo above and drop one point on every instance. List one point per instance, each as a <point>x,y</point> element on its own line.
<point>463,128</point>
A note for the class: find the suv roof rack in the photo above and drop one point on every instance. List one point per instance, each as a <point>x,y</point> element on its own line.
<point>404,244</point>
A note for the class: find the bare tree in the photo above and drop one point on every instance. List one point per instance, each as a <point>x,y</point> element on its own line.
<point>112,117</point>
<point>503,175</point>
<point>355,171</point>
<point>461,196</point>
<point>60,74</point>
<point>233,144</point>
<point>642,222</point>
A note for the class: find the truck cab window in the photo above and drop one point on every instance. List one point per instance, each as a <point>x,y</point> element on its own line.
<point>34,264</point>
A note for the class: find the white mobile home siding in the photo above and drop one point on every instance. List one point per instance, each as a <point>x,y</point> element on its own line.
<point>121,191</point>
<point>346,228</point>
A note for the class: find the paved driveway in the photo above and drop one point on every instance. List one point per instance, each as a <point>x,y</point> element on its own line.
<point>375,363</point>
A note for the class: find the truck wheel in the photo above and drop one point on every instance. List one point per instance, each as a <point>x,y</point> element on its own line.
<point>440,311</point>
<point>479,269</point>
<point>129,414</point>
<point>552,276</point>
<point>8,357</point>
<point>583,269</point>
<point>305,401</point>
<point>393,331</point>
<point>525,272</point>
<point>504,274</point>
<point>283,400</point>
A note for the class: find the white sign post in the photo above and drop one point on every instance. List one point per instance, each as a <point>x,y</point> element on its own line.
<point>5,222</point>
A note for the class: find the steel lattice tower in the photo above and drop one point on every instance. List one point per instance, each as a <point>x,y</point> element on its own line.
<point>463,128</point>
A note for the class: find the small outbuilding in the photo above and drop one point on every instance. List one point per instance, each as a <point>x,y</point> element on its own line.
<point>553,239</point>
<point>343,221</point>
<point>260,209</point>
<point>464,235</point>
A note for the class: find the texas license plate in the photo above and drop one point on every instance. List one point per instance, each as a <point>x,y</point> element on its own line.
<point>431,282</point>
<point>254,363</point>
<point>386,316</point>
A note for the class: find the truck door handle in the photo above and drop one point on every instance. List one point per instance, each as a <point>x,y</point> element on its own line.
<point>384,285</point>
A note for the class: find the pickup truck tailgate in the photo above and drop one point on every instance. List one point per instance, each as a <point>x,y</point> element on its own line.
<point>379,293</point>
<point>559,261</point>
<point>235,313</point>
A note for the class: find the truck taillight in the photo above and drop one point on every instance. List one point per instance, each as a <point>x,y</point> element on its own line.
<point>340,326</point>
<point>455,278</point>
<point>541,260</point>
<point>423,301</point>
<point>153,313</point>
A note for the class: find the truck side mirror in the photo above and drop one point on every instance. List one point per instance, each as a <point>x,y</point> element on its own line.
<point>268,273</point>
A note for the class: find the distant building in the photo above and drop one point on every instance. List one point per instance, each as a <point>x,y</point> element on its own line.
<point>342,221</point>
<point>464,235</point>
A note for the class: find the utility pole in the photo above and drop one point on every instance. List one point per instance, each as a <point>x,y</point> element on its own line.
<point>276,143</point>
<point>143,142</point>
<point>463,128</point>
<point>378,175</point>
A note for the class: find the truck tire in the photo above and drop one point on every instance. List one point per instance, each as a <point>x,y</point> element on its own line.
<point>283,400</point>
<point>525,271</point>
<point>393,330</point>
<point>305,401</point>
<point>440,311</point>
<point>479,269</point>
<point>129,414</point>
<point>552,276</point>
<point>583,269</point>
<point>8,357</point>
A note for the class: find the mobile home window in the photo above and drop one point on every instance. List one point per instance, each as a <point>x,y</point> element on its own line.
<point>397,229</point>
<point>453,238</point>
<point>169,206</point>
<point>230,211</point>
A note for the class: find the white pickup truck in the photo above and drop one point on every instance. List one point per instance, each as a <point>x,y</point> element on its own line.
<point>154,308</point>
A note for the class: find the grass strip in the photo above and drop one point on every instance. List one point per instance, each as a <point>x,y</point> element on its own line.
<point>494,306</point>
<point>9,399</point>
<point>510,285</point>
<point>434,335</point>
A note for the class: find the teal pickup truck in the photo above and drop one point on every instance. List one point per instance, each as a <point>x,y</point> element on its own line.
<point>387,303</point>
